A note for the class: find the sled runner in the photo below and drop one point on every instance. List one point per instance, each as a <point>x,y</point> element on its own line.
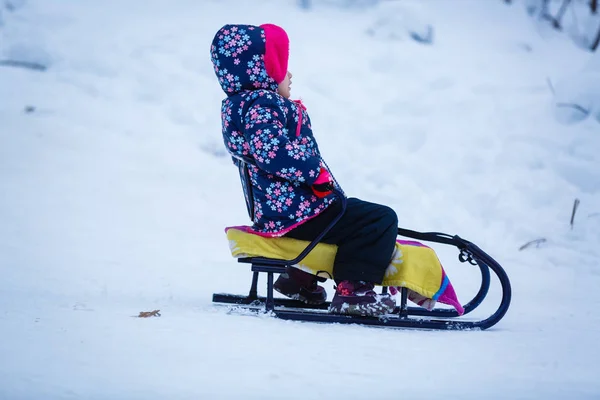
<point>414,271</point>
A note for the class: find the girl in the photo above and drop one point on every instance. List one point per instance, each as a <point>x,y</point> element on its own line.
<point>287,185</point>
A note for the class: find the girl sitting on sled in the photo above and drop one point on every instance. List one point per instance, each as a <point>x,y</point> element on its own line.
<point>291,187</point>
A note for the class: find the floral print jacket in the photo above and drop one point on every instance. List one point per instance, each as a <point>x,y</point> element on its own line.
<point>270,133</point>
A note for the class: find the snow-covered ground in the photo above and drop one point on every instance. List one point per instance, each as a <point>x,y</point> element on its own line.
<point>115,189</point>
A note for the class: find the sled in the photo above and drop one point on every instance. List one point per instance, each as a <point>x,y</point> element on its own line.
<point>403,316</point>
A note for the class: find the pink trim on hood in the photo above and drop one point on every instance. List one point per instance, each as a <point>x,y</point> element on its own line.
<point>277,51</point>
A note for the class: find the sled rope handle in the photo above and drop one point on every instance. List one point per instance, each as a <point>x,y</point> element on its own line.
<point>434,237</point>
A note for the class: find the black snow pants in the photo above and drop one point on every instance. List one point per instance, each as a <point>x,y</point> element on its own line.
<point>365,236</point>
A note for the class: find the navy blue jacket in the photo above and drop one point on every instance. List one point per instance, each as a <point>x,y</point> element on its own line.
<point>271,133</point>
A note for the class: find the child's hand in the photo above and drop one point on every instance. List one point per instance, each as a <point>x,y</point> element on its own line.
<point>323,186</point>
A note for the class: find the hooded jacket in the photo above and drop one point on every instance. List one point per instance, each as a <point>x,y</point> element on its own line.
<point>268,136</point>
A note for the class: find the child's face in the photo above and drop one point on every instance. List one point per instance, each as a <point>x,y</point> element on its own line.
<point>284,87</point>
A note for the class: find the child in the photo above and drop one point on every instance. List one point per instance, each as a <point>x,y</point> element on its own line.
<point>287,185</point>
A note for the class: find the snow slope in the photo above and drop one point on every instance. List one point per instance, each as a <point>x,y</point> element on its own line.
<point>115,190</point>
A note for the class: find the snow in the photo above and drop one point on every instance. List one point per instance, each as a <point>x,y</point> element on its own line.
<point>115,189</point>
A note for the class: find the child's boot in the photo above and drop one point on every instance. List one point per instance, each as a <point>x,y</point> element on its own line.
<point>299,285</point>
<point>359,298</point>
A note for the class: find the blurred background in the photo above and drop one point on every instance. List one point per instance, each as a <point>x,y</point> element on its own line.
<point>472,117</point>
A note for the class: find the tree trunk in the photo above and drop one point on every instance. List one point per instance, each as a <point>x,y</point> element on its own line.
<point>560,13</point>
<point>597,41</point>
<point>544,12</point>
<point>594,6</point>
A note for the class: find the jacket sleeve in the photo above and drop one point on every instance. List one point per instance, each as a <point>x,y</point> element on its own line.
<point>292,159</point>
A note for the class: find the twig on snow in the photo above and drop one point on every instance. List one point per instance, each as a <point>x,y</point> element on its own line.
<point>550,86</point>
<point>575,205</point>
<point>146,314</point>
<point>575,106</point>
<point>24,64</point>
<point>537,242</point>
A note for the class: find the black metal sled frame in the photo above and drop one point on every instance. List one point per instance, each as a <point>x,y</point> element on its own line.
<point>403,316</point>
